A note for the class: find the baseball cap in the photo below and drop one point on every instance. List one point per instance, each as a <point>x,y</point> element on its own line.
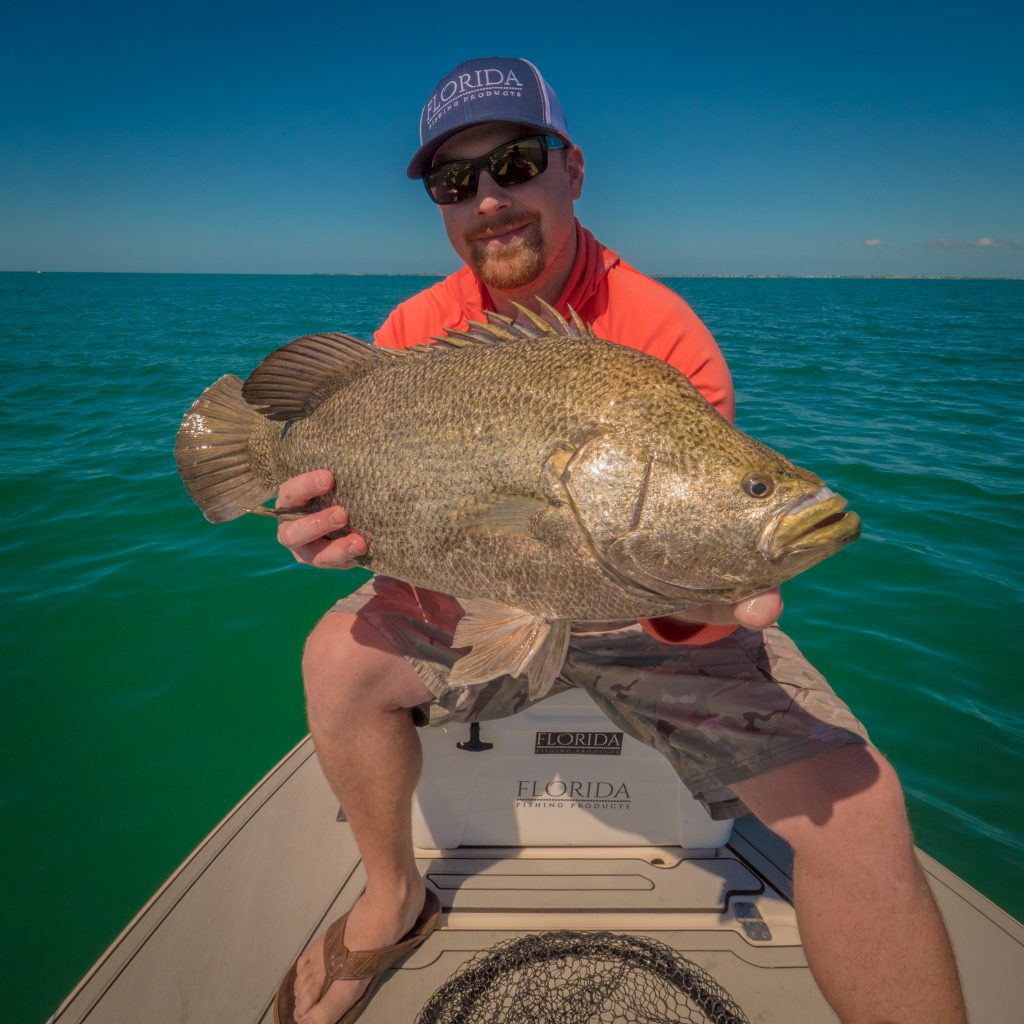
<point>486,89</point>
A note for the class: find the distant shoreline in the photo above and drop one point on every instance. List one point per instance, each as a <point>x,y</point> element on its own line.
<point>662,277</point>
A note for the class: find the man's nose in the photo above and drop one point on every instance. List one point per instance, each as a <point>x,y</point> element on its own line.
<point>490,196</point>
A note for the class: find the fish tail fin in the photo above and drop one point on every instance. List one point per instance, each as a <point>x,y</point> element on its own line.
<point>214,454</point>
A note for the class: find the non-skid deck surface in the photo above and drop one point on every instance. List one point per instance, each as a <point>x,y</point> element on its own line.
<point>770,993</point>
<point>212,944</point>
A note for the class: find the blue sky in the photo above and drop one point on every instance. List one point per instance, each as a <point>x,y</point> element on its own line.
<point>720,138</point>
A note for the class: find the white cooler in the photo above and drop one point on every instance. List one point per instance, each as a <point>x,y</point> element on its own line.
<point>557,774</point>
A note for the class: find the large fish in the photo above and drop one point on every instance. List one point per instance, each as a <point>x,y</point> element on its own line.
<point>533,471</point>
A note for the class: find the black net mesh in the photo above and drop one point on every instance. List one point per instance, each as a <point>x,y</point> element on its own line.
<point>580,978</point>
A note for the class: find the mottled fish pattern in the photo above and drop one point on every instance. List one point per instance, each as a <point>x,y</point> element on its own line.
<point>537,473</point>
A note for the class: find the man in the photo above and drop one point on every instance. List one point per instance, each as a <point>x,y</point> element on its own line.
<point>497,158</point>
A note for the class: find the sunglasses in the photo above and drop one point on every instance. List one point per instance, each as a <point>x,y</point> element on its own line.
<point>509,164</point>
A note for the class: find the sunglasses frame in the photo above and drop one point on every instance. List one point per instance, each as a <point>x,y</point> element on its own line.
<point>479,163</point>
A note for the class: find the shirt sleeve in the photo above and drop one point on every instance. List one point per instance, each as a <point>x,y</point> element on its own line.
<point>388,334</point>
<point>643,313</point>
<point>675,631</point>
<point>687,344</point>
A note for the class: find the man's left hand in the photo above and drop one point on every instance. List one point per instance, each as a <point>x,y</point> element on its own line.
<point>755,612</point>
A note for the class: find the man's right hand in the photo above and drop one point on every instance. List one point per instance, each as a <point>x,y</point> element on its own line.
<point>306,538</point>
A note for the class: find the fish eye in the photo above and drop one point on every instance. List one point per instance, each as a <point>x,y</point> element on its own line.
<point>758,486</point>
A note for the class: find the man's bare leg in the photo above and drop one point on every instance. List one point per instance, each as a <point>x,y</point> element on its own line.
<point>357,697</point>
<point>872,933</point>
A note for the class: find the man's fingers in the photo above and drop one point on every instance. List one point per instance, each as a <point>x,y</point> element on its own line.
<point>297,533</point>
<point>339,553</point>
<point>306,540</point>
<point>298,490</point>
<point>759,611</point>
<point>307,537</point>
<point>755,612</point>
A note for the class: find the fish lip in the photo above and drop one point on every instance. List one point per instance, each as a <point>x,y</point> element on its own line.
<point>810,522</point>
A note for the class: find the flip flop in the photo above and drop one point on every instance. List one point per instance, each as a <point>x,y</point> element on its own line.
<point>340,962</point>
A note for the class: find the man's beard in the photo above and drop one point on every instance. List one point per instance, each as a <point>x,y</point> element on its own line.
<point>512,266</point>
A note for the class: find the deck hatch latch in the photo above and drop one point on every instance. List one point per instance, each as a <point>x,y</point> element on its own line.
<point>752,922</point>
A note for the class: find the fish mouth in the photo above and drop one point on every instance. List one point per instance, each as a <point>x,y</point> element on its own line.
<point>818,522</point>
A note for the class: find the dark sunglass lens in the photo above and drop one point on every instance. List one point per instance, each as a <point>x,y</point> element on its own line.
<point>510,164</point>
<point>451,183</point>
<point>518,161</point>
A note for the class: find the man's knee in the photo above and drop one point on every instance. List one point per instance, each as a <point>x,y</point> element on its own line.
<point>847,796</point>
<point>325,650</point>
<point>347,665</point>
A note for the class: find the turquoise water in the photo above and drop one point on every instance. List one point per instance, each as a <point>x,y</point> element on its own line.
<point>152,660</point>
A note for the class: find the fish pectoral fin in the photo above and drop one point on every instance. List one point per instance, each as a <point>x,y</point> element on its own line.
<point>508,641</point>
<point>504,513</point>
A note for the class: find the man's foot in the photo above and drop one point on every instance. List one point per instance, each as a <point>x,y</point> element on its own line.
<point>370,926</point>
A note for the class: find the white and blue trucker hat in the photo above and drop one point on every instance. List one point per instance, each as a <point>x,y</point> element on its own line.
<point>486,89</point>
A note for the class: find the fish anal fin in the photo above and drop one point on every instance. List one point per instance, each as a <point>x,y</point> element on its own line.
<point>544,666</point>
<point>507,641</point>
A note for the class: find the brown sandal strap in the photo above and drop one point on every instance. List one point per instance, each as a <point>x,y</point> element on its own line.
<point>342,963</point>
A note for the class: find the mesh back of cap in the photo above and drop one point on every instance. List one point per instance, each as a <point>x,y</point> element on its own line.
<point>580,978</point>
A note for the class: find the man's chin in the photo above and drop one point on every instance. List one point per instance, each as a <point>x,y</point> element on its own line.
<point>511,271</point>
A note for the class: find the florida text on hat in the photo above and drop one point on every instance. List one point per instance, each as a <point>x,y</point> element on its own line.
<point>486,89</point>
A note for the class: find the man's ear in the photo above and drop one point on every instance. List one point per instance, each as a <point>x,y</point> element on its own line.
<point>574,167</point>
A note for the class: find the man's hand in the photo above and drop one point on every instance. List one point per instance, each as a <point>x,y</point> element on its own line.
<point>755,612</point>
<point>306,538</point>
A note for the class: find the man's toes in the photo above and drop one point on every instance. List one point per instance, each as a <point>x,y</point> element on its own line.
<point>304,999</point>
<point>338,999</point>
<point>306,996</point>
<point>319,1014</point>
<point>307,988</point>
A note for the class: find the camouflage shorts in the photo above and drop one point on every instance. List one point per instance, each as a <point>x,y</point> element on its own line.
<point>721,713</point>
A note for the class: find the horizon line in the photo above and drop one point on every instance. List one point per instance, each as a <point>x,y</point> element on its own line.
<point>657,276</point>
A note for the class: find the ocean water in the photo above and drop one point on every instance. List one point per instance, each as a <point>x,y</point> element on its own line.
<point>152,660</point>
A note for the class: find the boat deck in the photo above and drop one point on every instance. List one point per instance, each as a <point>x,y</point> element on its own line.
<point>213,942</point>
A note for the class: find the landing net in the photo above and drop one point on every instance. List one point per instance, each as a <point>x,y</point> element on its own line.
<point>580,978</point>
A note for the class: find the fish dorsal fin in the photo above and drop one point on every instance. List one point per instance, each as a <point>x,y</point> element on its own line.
<point>552,322</point>
<point>580,329</point>
<point>497,329</point>
<point>294,379</point>
<point>501,328</point>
